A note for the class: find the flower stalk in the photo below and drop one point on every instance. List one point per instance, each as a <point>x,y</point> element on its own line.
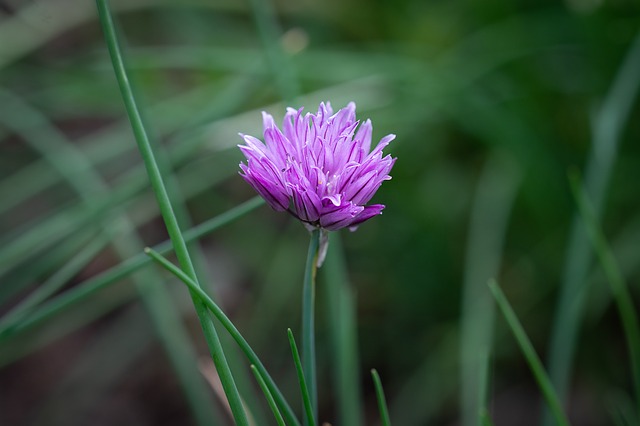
<point>308,321</point>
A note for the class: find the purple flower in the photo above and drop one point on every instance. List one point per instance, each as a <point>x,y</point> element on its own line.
<point>319,167</point>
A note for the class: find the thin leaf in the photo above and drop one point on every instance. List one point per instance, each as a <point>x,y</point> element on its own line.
<point>233,331</point>
<point>382,401</point>
<point>306,400</point>
<point>548,392</point>
<point>620,290</point>
<point>268,396</point>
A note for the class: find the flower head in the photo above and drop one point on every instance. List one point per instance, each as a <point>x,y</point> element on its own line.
<point>319,167</point>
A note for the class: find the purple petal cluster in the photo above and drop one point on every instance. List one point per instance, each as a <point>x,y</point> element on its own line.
<point>319,167</point>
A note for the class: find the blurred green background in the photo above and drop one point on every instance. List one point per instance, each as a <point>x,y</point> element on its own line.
<point>492,102</point>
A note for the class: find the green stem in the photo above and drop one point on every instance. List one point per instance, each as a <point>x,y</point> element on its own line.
<point>624,300</point>
<point>306,399</point>
<point>308,320</point>
<point>548,392</point>
<point>233,331</point>
<point>382,401</point>
<point>166,210</point>
<point>267,394</point>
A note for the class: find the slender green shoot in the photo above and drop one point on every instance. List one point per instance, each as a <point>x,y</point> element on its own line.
<point>308,320</point>
<point>382,401</point>
<point>548,392</point>
<point>233,331</point>
<point>306,400</point>
<point>267,394</point>
<point>166,209</point>
<point>624,301</point>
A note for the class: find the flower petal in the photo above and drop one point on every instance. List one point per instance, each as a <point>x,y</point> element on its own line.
<point>277,199</point>
<point>366,214</point>
<point>336,217</point>
<point>307,204</point>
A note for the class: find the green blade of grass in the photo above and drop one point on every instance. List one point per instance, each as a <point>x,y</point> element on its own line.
<point>621,294</point>
<point>304,390</point>
<point>231,329</point>
<point>382,401</point>
<point>267,394</point>
<point>548,392</point>
<point>166,209</point>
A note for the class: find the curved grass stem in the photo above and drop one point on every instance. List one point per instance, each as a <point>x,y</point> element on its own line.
<point>544,383</point>
<point>267,394</point>
<point>620,291</point>
<point>382,401</point>
<point>231,329</point>
<point>304,389</point>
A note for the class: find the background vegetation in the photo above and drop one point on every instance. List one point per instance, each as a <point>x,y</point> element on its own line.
<point>493,102</point>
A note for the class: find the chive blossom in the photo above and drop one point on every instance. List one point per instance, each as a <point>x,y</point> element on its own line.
<point>320,167</point>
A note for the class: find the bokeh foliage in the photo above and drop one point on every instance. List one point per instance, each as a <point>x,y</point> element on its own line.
<point>493,97</point>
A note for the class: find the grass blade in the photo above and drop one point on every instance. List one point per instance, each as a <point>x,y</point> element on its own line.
<point>548,392</point>
<point>382,401</point>
<point>624,301</point>
<point>233,331</point>
<point>268,396</point>
<point>306,399</point>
